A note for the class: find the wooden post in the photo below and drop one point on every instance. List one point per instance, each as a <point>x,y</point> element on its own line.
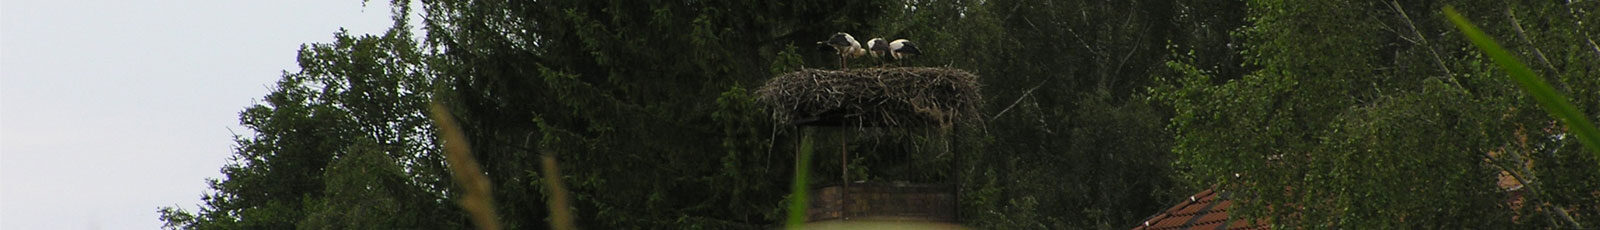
<point>844,174</point>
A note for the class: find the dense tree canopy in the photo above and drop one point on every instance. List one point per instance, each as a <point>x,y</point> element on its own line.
<point>1378,114</point>
<point>1097,114</point>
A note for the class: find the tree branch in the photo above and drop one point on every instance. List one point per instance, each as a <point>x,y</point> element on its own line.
<point>1578,24</point>
<point>1519,173</point>
<point>1515,26</point>
<point>1019,100</point>
<point>1425,44</point>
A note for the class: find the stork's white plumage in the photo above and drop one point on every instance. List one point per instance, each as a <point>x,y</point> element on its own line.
<point>901,48</point>
<point>847,46</point>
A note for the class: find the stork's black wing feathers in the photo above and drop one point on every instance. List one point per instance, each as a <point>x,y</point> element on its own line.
<point>839,40</point>
<point>879,45</point>
<point>908,48</point>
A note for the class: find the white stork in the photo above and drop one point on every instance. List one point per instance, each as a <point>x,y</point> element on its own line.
<point>878,47</point>
<point>847,46</point>
<point>901,48</point>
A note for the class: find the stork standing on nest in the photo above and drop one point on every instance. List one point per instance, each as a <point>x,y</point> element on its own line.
<point>847,46</point>
<point>901,49</point>
<point>879,48</point>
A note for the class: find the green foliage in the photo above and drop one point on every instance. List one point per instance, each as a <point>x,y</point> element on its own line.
<point>1555,104</point>
<point>367,189</point>
<point>1068,142</point>
<point>343,138</point>
<point>1361,115</point>
<point>1436,137</point>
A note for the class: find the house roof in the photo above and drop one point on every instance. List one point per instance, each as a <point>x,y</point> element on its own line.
<point>1206,210</point>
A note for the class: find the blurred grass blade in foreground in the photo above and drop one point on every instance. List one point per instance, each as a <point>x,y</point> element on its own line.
<point>560,211</point>
<point>797,198</point>
<point>477,200</point>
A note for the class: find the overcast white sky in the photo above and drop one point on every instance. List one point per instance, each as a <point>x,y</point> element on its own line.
<point>112,108</point>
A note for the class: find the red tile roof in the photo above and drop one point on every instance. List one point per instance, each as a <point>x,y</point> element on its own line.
<point>1207,210</point>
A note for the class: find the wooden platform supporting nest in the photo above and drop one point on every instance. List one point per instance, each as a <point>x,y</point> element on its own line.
<point>908,96</point>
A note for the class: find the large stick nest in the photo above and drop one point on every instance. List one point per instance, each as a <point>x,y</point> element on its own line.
<point>908,96</point>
